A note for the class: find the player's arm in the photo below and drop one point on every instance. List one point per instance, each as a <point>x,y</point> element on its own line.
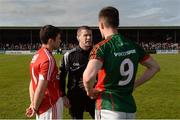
<point>152,68</point>
<point>89,75</point>
<point>44,77</point>
<point>39,93</point>
<point>37,98</point>
<point>31,92</point>
<point>29,110</point>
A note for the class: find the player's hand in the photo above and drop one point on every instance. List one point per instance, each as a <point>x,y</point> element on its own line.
<point>93,93</point>
<point>30,112</point>
<point>66,102</point>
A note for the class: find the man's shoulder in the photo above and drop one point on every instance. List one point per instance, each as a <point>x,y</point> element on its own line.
<point>44,55</point>
<point>103,42</point>
<point>69,52</point>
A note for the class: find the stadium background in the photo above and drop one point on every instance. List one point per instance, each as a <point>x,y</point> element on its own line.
<point>159,98</point>
<point>150,38</point>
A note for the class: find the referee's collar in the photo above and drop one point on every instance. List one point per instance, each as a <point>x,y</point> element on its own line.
<point>82,50</point>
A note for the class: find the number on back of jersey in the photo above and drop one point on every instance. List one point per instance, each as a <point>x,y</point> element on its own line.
<point>126,72</point>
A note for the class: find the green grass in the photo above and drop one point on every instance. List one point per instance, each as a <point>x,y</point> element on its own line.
<point>159,98</point>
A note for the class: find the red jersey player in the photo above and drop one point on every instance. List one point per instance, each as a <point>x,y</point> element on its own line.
<point>45,95</point>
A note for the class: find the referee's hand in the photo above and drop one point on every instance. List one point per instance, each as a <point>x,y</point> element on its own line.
<point>66,102</point>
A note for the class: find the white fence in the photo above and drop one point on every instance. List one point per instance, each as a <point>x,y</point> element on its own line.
<point>167,51</point>
<point>20,52</point>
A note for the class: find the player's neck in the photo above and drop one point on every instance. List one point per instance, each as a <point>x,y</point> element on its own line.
<point>110,32</point>
<point>47,46</point>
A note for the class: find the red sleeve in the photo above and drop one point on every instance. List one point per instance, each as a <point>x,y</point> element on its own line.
<point>46,69</point>
<point>93,54</point>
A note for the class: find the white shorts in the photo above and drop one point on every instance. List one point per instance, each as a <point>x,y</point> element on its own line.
<point>112,115</point>
<point>53,113</point>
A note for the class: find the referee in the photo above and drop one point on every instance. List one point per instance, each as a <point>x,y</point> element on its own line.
<point>74,63</point>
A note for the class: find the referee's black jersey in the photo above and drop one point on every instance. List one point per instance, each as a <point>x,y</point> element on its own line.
<point>74,63</point>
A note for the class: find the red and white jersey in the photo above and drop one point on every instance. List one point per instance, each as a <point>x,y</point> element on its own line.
<point>43,67</point>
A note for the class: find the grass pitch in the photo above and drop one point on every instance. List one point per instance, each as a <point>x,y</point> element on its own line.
<point>159,98</point>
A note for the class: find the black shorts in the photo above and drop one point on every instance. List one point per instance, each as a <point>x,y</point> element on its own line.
<point>80,102</point>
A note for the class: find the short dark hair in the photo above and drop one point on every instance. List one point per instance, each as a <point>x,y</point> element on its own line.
<point>110,16</point>
<point>47,32</point>
<point>82,28</point>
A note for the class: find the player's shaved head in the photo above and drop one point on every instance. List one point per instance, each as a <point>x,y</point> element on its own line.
<point>110,16</point>
<point>82,28</point>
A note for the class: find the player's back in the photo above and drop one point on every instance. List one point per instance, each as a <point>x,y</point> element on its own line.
<point>116,77</point>
<point>41,59</point>
<point>121,58</point>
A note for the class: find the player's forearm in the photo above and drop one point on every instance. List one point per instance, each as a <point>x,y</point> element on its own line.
<point>88,86</point>
<point>88,81</point>
<point>39,93</point>
<point>31,92</point>
<point>38,96</point>
<point>147,75</point>
<point>89,75</point>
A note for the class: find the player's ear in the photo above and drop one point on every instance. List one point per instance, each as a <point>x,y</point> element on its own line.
<point>49,41</point>
<point>77,37</point>
<point>101,25</point>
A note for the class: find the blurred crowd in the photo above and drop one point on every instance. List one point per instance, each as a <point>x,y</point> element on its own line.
<point>68,46</point>
<point>20,46</point>
<point>160,46</point>
<point>28,46</point>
